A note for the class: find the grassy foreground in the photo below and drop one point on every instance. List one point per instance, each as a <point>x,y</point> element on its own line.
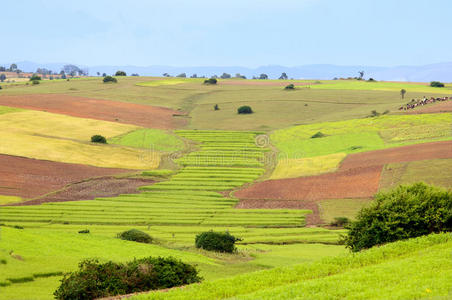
<point>401,270</point>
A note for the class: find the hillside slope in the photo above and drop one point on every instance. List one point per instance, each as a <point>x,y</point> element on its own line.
<point>416,268</point>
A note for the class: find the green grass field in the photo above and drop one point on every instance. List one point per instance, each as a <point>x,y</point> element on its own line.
<point>369,275</point>
<point>153,139</point>
<point>358,135</point>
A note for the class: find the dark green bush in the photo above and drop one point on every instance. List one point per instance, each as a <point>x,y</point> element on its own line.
<point>98,139</point>
<point>95,280</point>
<point>216,241</point>
<point>216,107</point>
<point>0,87</point>
<point>3,262</point>
<point>84,231</point>
<point>135,235</point>
<point>318,135</point>
<point>34,82</point>
<point>244,110</point>
<point>108,79</point>
<point>340,222</point>
<point>436,84</point>
<point>120,73</point>
<point>405,212</point>
<point>35,77</point>
<point>210,81</point>
<point>289,87</point>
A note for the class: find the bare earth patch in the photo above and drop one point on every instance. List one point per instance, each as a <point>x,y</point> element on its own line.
<point>114,111</point>
<point>432,108</point>
<point>30,178</point>
<point>357,177</point>
<point>88,190</point>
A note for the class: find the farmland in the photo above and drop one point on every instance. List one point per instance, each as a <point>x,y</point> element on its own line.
<point>174,167</point>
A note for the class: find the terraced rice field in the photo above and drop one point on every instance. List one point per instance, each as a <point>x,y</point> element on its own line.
<point>224,161</point>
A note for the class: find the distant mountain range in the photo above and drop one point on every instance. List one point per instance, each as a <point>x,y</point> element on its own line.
<point>439,71</point>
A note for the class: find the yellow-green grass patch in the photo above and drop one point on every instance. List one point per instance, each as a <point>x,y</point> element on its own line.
<point>170,81</point>
<point>5,199</point>
<point>334,208</point>
<point>435,171</point>
<point>153,139</point>
<point>293,167</point>
<point>7,109</point>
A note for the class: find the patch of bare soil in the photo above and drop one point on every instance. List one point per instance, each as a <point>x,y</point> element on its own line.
<point>91,189</point>
<point>441,107</point>
<point>114,111</point>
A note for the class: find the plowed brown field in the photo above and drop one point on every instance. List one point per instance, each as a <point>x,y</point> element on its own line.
<point>30,178</point>
<point>114,111</point>
<point>432,108</point>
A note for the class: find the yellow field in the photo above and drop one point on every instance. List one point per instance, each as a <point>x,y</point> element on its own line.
<point>297,167</point>
<point>9,199</point>
<point>63,138</point>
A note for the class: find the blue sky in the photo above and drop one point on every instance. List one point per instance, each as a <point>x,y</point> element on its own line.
<point>227,33</point>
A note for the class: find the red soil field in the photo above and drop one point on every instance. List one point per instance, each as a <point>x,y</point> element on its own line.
<point>114,111</point>
<point>30,178</point>
<point>357,177</point>
<point>90,189</point>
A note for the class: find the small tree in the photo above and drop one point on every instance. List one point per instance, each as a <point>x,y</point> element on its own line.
<point>361,75</point>
<point>98,139</point>
<point>225,76</point>
<point>402,93</point>
<point>120,73</point>
<point>283,76</point>
<point>216,107</point>
<point>35,77</point>
<point>108,79</point>
<point>244,110</point>
<point>2,77</point>
<point>182,75</point>
<point>216,241</point>
<point>263,76</point>
<point>436,84</point>
<point>210,81</point>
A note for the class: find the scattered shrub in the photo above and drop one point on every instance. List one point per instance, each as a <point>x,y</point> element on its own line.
<point>318,135</point>
<point>371,79</point>
<point>0,87</point>
<point>289,87</point>
<point>340,222</point>
<point>34,82</point>
<point>84,231</point>
<point>405,212</point>
<point>96,280</point>
<point>21,279</point>
<point>356,147</point>
<point>120,73</point>
<point>216,241</point>
<point>98,139</point>
<point>35,77</point>
<point>108,79</point>
<point>216,107</point>
<point>436,84</point>
<point>211,81</point>
<point>244,110</point>
<point>135,235</point>
<point>3,261</point>
<point>18,227</point>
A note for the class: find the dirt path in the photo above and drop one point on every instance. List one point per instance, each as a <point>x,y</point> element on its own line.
<point>30,178</point>
<point>114,111</point>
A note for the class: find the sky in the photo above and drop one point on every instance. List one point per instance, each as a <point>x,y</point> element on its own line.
<point>227,33</point>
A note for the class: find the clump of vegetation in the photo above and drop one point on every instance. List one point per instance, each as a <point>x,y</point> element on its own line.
<point>318,135</point>
<point>35,77</point>
<point>84,231</point>
<point>436,84</point>
<point>120,73</point>
<point>109,78</point>
<point>375,113</point>
<point>216,107</point>
<point>211,81</point>
<point>135,235</point>
<point>405,212</point>
<point>340,222</point>
<point>98,139</point>
<point>0,87</point>
<point>96,280</point>
<point>216,241</point>
<point>34,82</point>
<point>244,110</point>
<point>3,262</point>
<point>371,79</point>
<point>290,87</point>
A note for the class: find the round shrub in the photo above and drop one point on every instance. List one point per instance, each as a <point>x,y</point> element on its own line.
<point>96,280</point>
<point>98,139</point>
<point>318,135</point>
<point>135,235</point>
<point>35,77</point>
<point>210,81</point>
<point>436,84</point>
<point>245,110</point>
<point>120,73</point>
<point>34,82</point>
<point>289,87</point>
<point>216,241</point>
<point>108,79</point>
<point>405,212</point>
